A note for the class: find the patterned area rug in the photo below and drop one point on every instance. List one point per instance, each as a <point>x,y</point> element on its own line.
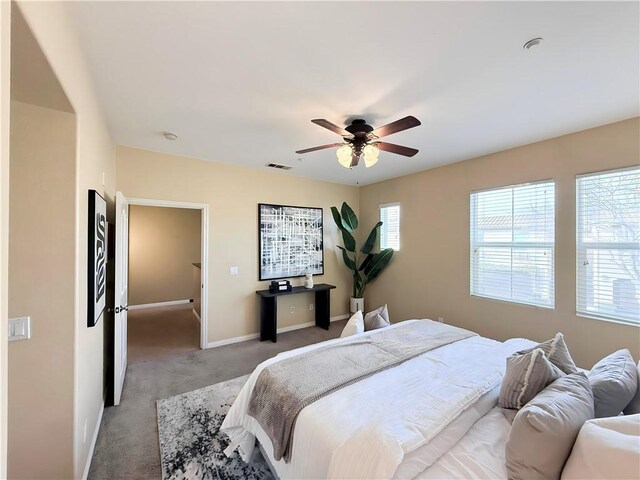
<point>191,444</point>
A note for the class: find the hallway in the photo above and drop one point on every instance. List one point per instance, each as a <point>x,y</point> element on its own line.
<point>155,333</point>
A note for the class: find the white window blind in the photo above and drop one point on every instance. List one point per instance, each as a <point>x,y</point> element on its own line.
<point>608,236</point>
<point>390,230</point>
<point>513,243</point>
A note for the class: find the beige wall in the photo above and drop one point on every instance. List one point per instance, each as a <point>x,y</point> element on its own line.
<point>41,285</point>
<point>429,277</point>
<point>233,194</point>
<point>54,30</point>
<point>5,68</point>
<point>163,245</point>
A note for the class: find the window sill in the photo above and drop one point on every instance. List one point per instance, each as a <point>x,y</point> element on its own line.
<point>513,302</point>
<point>607,319</point>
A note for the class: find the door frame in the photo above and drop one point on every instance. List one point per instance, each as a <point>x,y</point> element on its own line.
<point>5,115</point>
<point>204,253</point>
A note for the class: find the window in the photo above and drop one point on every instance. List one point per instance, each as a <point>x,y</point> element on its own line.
<point>390,230</point>
<point>512,243</point>
<point>608,236</point>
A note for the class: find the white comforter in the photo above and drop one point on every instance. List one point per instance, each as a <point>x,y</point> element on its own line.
<point>367,429</point>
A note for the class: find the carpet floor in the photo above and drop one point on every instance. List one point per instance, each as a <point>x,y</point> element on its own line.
<point>127,445</point>
<point>153,333</point>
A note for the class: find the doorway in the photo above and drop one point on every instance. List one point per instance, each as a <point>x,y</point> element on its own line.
<point>161,281</point>
<point>164,282</point>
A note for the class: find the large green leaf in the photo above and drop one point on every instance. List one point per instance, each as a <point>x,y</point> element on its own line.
<point>371,239</point>
<point>336,217</point>
<point>349,241</point>
<point>378,263</point>
<point>349,218</point>
<point>347,260</point>
<point>366,261</point>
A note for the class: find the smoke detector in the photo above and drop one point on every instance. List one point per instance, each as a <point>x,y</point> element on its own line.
<point>170,136</point>
<point>534,42</point>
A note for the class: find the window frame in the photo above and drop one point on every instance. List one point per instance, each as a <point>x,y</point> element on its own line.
<point>543,245</point>
<point>387,205</point>
<point>583,246</point>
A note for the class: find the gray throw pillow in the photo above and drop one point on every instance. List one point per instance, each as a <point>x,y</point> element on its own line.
<point>614,381</point>
<point>544,431</point>
<point>557,352</point>
<point>527,374</point>
<point>634,404</point>
<point>379,318</point>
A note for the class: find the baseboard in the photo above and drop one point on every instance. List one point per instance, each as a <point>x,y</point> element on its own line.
<point>229,341</point>
<point>195,314</point>
<point>253,336</point>
<point>159,304</point>
<point>93,443</point>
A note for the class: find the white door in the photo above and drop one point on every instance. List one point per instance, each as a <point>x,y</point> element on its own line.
<point>121,295</point>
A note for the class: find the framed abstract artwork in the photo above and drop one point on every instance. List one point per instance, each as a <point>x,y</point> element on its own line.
<point>290,241</point>
<point>97,258</point>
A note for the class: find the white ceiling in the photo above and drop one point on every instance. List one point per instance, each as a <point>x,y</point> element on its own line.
<point>239,82</point>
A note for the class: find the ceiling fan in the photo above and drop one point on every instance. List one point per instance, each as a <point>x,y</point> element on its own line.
<point>361,138</point>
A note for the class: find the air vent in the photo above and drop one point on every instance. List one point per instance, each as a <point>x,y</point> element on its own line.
<point>278,166</point>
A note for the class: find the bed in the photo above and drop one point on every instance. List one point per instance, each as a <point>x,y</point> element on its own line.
<point>432,416</point>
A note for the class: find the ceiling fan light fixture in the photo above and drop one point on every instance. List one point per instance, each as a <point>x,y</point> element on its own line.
<point>371,153</point>
<point>344,154</point>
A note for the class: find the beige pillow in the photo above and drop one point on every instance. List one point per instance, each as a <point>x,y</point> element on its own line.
<point>614,381</point>
<point>544,431</point>
<point>606,448</point>
<point>634,404</point>
<point>379,318</point>
<point>527,374</point>
<point>557,352</point>
<point>354,325</point>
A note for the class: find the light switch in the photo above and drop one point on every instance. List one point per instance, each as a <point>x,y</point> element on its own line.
<point>233,270</point>
<point>19,328</point>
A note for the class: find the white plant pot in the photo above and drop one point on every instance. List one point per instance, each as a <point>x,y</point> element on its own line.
<point>356,304</point>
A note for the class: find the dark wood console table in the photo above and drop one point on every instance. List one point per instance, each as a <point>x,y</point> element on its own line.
<point>269,308</point>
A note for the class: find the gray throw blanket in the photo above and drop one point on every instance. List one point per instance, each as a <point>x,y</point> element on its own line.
<point>284,388</point>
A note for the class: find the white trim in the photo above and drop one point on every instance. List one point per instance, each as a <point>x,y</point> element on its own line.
<point>195,314</point>
<point>153,202</point>
<point>204,260</point>
<point>229,341</point>
<point>94,440</point>
<point>5,100</point>
<point>515,185</point>
<point>392,204</point>
<point>158,304</point>
<point>253,336</point>
<point>611,170</point>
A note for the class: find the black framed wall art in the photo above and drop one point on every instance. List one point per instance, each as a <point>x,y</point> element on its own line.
<point>97,258</point>
<point>290,241</point>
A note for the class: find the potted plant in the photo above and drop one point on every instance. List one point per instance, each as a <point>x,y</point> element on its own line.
<point>365,264</point>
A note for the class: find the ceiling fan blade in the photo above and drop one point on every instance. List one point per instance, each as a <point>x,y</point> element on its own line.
<point>330,126</point>
<point>397,126</point>
<point>321,147</point>
<point>399,149</point>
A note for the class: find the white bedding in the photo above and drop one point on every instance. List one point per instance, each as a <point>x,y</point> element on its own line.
<point>479,454</point>
<point>371,428</point>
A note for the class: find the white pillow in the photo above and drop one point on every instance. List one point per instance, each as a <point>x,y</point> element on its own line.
<point>606,448</point>
<point>354,325</point>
